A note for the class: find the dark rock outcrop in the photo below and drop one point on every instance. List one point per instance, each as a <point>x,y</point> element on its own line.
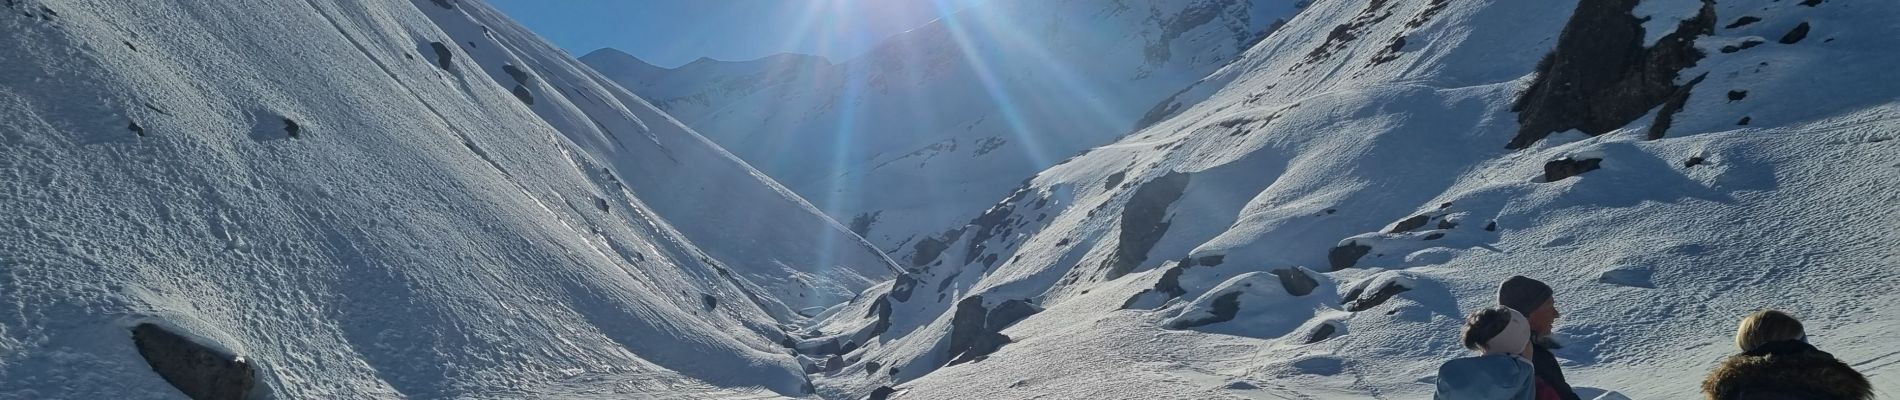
<point>1321,333</point>
<point>1346,255</point>
<point>1600,77</point>
<point>521,93</point>
<point>1361,299</point>
<point>928,249</point>
<point>1144,221</point>
<point>443,56</point>
<point>1114,179</point>
<point>520,75</point>
<point>1010,311</point>
<point>1224,308</point>
<point>902,288</point>
<point>1210,261</point>
<point>1667,115</point>
<point>1795,35</point>
<point>1409,224</point>
<point>881,311</point>
<point>292,128</point>
<point>1567,167</point>
<point>974,329</point>
<point>199,371</point>
<point>1295,281</point>
<point>992,222</point>
<point>881,393</point>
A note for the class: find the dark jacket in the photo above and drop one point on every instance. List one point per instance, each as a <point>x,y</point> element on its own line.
<point>1548,371</point>
<point>1786,370</point>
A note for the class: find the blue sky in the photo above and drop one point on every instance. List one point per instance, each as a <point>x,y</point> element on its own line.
<point>669,33</point>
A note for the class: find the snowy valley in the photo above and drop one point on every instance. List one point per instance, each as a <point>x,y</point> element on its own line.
<point>1187,199</point>
<point>926,129</point>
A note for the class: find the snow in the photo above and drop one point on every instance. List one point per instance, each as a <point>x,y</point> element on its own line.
<point>428,231</point>
<point>425,233</point>
<point>932,125</point>
<point>1291,154</point>
<point>1660,18</point>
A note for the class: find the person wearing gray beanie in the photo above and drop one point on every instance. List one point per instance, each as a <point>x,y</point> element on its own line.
<point>1537,302</point>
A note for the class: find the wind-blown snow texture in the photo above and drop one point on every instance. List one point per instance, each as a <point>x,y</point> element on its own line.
<point>422,199</point>
<point>929,127</point>
<point>380,199</point>
<point>1359,155</point>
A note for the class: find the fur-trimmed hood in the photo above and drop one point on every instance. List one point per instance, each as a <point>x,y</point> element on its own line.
<point>1785,370</point>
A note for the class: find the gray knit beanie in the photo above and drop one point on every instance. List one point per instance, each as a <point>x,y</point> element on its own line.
<point>1525,295</point>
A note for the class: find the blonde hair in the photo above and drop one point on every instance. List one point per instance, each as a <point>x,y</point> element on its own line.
<point>1767,326</point>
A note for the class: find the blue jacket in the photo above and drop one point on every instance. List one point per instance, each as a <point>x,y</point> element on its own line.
<point>1490,377</point>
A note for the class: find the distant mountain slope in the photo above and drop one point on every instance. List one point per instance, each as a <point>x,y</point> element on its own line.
<point>928,127</point>
<point>377,199</point>
<point>1314,220</point>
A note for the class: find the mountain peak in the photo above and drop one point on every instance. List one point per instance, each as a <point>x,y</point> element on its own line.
<point>621,61</point>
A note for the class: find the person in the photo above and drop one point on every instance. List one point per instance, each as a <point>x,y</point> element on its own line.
<point>1534,300</point>
<point>1777,363</point>
<point>1502,371</point>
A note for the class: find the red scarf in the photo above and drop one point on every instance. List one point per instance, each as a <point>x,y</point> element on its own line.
<point>1545,392</point>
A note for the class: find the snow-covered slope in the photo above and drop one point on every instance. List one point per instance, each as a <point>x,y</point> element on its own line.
<point>934,123</point>
<point>378,199</point>
<point>1314,219</point>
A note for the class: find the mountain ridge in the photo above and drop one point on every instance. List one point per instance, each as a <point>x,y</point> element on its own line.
<point>966,105</point>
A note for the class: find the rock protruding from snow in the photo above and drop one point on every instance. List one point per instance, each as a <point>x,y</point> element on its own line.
<point>1253,304</point>
<point>975,330</point>
<point>444,58</point>
<point>198,370</point>
<point>1567,167</point>
<point>1796,35</point>
<point>1144,220</point>
<point>1221,308</point>
<point>903,287</point>
<point>1297,281</point>
<point>1376,290</point>
<point>1325,330</point>
<point>1346,255</point>
<point>1601,77</point>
